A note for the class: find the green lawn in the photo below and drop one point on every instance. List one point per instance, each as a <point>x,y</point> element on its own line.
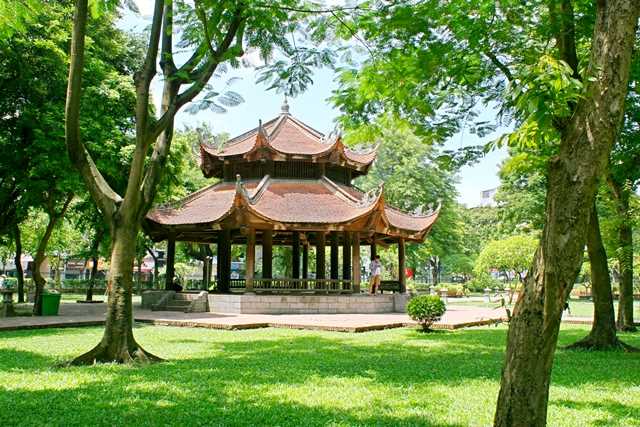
<point>289,377</point>
<point>579,308</point>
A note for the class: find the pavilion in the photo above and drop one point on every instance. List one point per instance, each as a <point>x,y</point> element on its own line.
<point>285,183</point>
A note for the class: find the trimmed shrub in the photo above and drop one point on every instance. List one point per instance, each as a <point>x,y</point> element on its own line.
<point>453,289</point>
<point>426,309</point>
<point>482,281</point>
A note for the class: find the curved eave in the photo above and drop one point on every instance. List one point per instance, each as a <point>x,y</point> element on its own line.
<point>234,206</point>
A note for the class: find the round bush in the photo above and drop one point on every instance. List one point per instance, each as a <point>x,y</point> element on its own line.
<point>426,309</point>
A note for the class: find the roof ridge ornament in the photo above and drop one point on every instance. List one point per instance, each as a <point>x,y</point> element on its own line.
<point>284,109</point>
<point>262,137</point>
<point>372,196</point>
<point>240,189</point>
<point>419,211</point>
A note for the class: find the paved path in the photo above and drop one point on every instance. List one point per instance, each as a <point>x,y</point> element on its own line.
<point>85,315</point>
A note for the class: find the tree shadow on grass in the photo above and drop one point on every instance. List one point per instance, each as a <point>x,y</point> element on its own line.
<point>97,405</point>
<point>619,414</point>
<point>12,359</point>
<point>293,378</point>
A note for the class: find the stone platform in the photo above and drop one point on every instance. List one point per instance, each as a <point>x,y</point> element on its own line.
<point>73,315</point>
<point>307,304</point>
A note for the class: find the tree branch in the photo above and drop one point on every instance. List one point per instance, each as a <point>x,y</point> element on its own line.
<point>499,65</point>
<point>101,192</point>
<point>143,81</point>
<point>164,126</point>
<point>562,20</point>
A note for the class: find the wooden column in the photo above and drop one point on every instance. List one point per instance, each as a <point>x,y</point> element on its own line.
<point>401,266</point>
<point>374,250</point>
<point>335,274</point>
<point>250,260</point>
<point>267,254</point>
<point>205,268</point>
<point>355,255</point>
<point>295,262</point>
<point>171,259</point>
<point>224,259</point>
<point>305,261</point>
<point>320,256</point>
<point>346,256</point>
<point>209,266</point>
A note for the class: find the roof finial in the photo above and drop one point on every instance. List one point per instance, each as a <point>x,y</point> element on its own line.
<point>285,105</point>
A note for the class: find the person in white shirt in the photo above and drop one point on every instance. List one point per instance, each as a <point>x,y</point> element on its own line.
<point>376,273</point>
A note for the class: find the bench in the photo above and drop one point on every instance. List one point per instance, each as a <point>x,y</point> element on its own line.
<point>389,285</point>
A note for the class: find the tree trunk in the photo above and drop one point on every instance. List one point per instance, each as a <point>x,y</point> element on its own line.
<point>435,267</point>
<point>38,279</point>
<point>95,247</point>
<point>18,261</point>
<point>603,330</point>
<point>118,344</point>
<point>585,145</point>
<point>625,260</point>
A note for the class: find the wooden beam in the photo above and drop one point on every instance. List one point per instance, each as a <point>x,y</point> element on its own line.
<point>355,255</point>
<point>320,256</point>
<point>335,274</point>
<point>401,266</point>
<point>171,259</point>
<point>346,256</point>
<point>250,256</point>
<point>295,254</point>
<point>267,254</point>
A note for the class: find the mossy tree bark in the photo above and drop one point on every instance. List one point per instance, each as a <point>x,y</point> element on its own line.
<point>587,138</point>
<point>603,330</point>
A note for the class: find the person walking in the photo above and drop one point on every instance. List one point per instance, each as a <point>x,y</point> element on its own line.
<point>376,273</point>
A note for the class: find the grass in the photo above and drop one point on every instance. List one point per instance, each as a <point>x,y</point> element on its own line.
<point>579,308</point>
<point>289,377</point>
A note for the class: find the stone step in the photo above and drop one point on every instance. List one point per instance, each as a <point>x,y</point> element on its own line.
<point>178,302</point>
<point>179,308</point>
<point>185,297</point>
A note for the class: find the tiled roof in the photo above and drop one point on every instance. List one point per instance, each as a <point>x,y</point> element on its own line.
<point>287,135</point>
<point>288,202</point>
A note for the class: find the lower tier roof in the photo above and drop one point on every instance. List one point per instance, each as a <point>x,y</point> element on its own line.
<point>281,204</point>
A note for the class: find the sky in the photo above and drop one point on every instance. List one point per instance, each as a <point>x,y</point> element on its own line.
<point>313,108</point>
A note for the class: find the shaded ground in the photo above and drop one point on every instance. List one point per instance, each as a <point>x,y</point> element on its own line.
<point>94,314</point>
<point>287,377</point>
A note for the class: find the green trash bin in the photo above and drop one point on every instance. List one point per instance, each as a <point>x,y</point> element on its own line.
<point>50,304</point>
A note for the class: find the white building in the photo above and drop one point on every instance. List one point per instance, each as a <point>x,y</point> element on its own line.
<point>487,198</point>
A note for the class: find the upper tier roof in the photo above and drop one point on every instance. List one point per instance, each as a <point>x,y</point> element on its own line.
<point>285,138</point>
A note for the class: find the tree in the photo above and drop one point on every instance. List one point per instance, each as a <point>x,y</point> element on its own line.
<point>603,330</point>
<point>32,88</point>
<point>623,179</point>
<point>522,191</point>
<point>473,53</point>
<point>217,34</point>
<point>415,180</point>
<point>513,254</point>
